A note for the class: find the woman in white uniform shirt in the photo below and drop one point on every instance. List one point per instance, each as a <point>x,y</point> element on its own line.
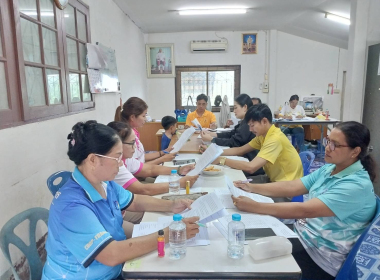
<point>134,113</point>
<point>294,111</point>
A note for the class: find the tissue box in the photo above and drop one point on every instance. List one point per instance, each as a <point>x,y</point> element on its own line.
<point>269,247</point>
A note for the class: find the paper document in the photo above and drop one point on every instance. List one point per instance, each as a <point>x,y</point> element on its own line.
<point>235,121</point>
<point>261,221</point>
<point>239,192</point>
<point>225,197</point>
<point>144,229</point>
<point>211,153</point>
<point>238,158</point>
<point>183,139</point>
<point>197,124</point>
<point>223,129</point>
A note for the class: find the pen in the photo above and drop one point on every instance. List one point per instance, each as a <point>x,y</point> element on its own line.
<point>200,224</point>
<point>187,187</point>
<point>246,181</point>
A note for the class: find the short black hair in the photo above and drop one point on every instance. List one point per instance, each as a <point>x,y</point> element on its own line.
<point>90,137</point>
<point>256,98</point>
<point>294,97</point>
<point>202,96</point>
<point>257,112</point>
<point>167,122</point>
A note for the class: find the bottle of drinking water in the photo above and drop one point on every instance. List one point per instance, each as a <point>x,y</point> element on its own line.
<point>177,238</point>
<point>174,185</point>
<point>236,237</point>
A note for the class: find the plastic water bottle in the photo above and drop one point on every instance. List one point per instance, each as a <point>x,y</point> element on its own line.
<point>174,185</point>
<point>177,238</point>
<point>236,237</point>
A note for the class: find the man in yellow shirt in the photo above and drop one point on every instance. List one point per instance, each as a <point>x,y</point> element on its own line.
<point>277,156</point>
<point>206,118</point>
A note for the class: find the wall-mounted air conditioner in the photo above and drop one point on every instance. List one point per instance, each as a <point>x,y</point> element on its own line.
<point>209,45</point>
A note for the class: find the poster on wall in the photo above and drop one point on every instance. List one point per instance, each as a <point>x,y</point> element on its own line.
<point>249,43</point>
<point>160,60</point>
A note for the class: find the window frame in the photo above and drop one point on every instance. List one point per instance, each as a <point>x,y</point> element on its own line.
<point>20,112</point>
<point>180,69</point>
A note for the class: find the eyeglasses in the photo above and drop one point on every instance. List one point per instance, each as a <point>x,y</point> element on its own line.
<point>119,159</point>
<point>133,143</point>
<point>332,145</point>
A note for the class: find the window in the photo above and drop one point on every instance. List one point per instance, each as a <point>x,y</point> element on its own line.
<point>49,46</point>
<point>213,81</point>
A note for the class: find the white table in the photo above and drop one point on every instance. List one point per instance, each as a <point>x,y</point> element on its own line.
<point>210,262</point>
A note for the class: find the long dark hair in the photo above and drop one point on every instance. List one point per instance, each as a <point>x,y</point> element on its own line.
<point>358,135</point>
<point>244,99</point>
<point>294,97</point>
<point>123,129</point>
<point>88,138</point>
<point>134,106</point>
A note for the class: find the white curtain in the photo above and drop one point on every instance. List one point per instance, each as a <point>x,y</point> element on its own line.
<point>225,113</point>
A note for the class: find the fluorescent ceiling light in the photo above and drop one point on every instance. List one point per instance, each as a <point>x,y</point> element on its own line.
<point>212,11</point>
<point>338,18</point>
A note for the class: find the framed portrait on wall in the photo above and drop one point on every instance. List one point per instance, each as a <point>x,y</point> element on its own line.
<point>249,43</point>
<point>160,60</point>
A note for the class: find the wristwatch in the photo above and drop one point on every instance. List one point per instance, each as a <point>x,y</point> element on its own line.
<point>222,160</point>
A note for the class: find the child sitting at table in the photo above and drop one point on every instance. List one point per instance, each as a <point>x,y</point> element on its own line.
<point>170,125</point>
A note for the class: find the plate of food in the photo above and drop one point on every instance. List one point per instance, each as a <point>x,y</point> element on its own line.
<point>212,170</point>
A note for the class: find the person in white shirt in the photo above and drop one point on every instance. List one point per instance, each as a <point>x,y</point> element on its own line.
<point>160,60</point>
<point>294,111</point>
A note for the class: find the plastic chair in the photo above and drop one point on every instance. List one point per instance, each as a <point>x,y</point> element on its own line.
<point>7,236</point>
<point>307,159</point>
<point>64,175</point>
<point>362,259</point>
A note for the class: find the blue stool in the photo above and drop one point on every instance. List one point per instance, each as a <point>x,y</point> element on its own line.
<point>307,159</point>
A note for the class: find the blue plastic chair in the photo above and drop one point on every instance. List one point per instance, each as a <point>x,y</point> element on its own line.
<point>307,159</point>
<point>360,262</point>
<point>64,175</point>
<point>7,236</point>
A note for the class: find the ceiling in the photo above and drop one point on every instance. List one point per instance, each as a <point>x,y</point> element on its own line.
<point>304,18</point>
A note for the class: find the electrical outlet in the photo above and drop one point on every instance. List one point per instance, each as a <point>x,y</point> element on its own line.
<point>336,91</point>
<point>266,87</point>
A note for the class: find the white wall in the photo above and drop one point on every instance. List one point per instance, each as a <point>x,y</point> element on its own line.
<point>32,152</point>
<point>297,66</point>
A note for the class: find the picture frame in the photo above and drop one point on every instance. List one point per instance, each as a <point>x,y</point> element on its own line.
<point>160,60</point>
<point>249,43</point>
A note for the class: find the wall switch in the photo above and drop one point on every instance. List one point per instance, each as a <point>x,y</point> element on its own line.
<point>336,91</point>
<point>266,87</point>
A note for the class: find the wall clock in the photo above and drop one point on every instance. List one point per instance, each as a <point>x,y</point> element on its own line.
<point>61,4</point>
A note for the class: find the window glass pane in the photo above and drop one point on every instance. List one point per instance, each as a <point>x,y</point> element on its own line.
<point>72,54</point>
<point>221,83</point>
<point>50,47</point>
<point>28,7</point>
<point>82,27</point>
<point>74,88</point>
<point>35,86</point>
<point>83,52</point>
<point>3,88</point>
<point>47,12</point>
<point>192,84</point>
<point>53,86</point>
<point>70,20</point>
<point>30,41</point>
<point>86,88</point>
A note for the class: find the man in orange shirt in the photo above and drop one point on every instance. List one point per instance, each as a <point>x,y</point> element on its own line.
<point>206,118</point>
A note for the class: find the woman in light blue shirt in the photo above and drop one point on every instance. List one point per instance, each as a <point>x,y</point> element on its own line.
<point>86,239</point>
<point>342,202</point>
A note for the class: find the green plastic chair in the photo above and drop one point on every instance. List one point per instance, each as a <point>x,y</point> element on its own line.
<point>7,236</point>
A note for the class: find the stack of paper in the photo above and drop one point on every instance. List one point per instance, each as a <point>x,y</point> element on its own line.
<point>197,124</point>
<point>236,192</point>
<point>183,139</point>
<point>211,153</point>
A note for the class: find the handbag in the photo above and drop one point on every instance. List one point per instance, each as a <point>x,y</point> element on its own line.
<point>188,107</point>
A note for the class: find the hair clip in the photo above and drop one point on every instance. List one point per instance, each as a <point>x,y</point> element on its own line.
<point>72,142</point>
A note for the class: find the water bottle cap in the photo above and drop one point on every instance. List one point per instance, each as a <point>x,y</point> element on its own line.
<point>236,217</point>
<point>160,232</point>
<point>177,217</point>
<point>174,171</point>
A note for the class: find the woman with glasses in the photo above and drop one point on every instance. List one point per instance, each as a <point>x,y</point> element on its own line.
<point>133,167</point>
<point>134,113</point>
<point>86,239</point>
<point>342,202</point>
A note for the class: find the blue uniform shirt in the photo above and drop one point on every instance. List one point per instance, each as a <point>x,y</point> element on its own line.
<point>165,141</point>
<point>81,225</point>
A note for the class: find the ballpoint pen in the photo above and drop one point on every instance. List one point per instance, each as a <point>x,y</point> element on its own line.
<point>200,224</point>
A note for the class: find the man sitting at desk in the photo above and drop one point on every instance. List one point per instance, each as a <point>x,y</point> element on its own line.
<point>296,111</point>
<point>276,154</point>
<point>206,118</point>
